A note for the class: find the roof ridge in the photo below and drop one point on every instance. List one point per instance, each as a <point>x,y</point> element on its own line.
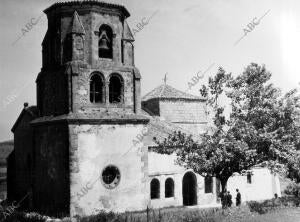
<point>163,89</point>
<point>168,92</point>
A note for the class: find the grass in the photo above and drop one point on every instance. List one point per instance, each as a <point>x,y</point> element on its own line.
<point>279,213</point>
<point>282,215</point>
<point>240,214</point>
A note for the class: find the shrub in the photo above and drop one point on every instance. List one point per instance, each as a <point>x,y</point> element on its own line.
<point>293,189</point>
<point>102,216</point>
<point>291,201</point>
<point>24,217</point>
<point>176,214</point>
<point>256,207</point>
<point>273,204</point>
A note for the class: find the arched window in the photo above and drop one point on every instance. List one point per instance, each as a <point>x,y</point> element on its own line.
<point>208,184</point>
<point>96,89</point>
<point>115,89</point>
<point>105,44</point>
<point>169,188</point>
<point>154,189</point>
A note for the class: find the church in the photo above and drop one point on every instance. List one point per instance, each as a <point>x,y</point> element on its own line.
<point>88,143</point>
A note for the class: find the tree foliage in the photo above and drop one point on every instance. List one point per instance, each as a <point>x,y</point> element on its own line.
<point>261,129</point>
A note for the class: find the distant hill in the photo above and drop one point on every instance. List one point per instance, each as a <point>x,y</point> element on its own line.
<point>6,147</point>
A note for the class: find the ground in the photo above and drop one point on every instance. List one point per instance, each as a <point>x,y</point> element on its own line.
<point>234,214</point>
<point>284,215</point>
<point>179,214</point>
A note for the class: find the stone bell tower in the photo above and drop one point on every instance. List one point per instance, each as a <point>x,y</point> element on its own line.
<point>91,43</point>
<point>88,96</point>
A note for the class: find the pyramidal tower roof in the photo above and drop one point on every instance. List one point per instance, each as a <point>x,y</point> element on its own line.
<point>77,26</point>
<point>127,34</point>
<point>165,91</point>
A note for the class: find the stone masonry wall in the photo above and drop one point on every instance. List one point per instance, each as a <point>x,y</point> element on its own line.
<point>23,146</point>
<point>53,83</point>
<point>183,111</point>
<point>81,98</point>
<point>52,93</point>
<point>51,174</point>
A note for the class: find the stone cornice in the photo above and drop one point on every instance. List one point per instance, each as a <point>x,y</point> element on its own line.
<point>89,4</point>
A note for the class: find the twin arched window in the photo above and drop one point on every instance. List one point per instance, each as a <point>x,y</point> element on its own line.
<point>97,89</point>
<point>155,188</point>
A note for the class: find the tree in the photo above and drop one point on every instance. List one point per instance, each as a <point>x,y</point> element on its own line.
<point>260,130</point>
<point>293,168</point>
<point>273,117</point>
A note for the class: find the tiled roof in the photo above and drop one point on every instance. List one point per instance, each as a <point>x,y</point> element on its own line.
<point>32,110</point>
<point>168,92</point>
<point>86,2</point>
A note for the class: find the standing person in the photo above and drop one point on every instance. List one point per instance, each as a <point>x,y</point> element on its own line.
<point>223,196</point>
<point>229,198</point>
<point>238,198</point>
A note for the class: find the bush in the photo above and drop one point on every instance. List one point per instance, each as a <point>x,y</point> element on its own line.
<point>256,207</point>
<point>293,189</point>
<point>291,201</point>
<point>102,216</point>
<point>24,217</point>
<point>273,204</point>
<point>176,214</point>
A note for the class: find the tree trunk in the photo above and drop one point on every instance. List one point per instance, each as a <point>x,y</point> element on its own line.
<point>224,184</point>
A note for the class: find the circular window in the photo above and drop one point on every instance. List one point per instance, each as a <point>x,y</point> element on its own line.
<point>111,177</point>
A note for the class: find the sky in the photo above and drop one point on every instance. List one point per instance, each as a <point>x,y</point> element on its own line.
<point>182,38</point>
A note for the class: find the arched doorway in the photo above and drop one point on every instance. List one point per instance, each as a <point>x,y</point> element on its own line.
<point>189,189</point>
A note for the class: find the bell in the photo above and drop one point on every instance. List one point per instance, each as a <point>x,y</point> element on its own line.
<point>103,44</point>
<point>104,41</point>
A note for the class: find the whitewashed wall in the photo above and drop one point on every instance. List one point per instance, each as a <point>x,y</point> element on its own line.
<point>98,147</point>
<point>162,167</point>
<point>264,184</point>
